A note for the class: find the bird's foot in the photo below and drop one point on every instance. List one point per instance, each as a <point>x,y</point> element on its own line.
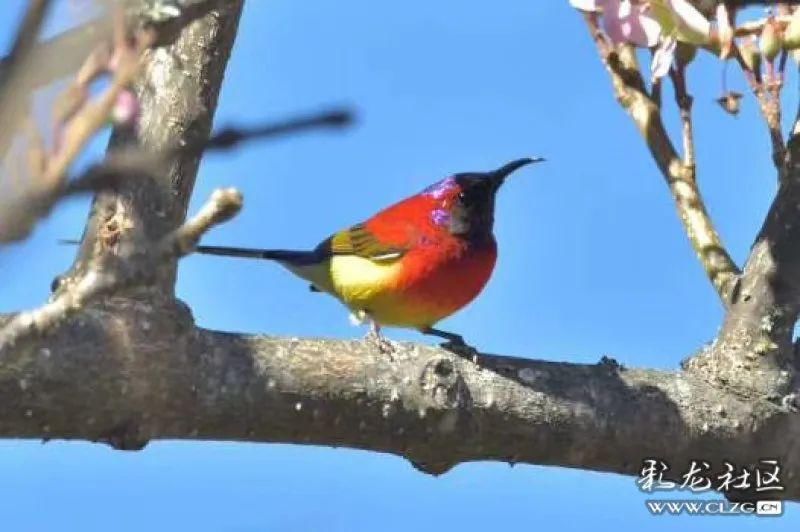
<point>383,344</point>
<point>462,349</point>
<point>455,344</point>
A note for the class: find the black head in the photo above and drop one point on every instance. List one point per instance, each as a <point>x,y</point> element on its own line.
<point>472,215</point>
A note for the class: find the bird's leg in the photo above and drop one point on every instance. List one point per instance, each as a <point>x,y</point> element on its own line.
<point>452,338</point>
<point>455,343</point>
<point>375,337</point>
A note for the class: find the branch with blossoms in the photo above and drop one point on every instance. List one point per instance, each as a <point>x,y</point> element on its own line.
<point>762,299</point>
<point>106,49</point>
<point>617,28</point>
<point>676,31</point>
<point>42,180</point>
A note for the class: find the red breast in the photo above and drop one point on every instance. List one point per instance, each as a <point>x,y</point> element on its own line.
<point>440,272</point>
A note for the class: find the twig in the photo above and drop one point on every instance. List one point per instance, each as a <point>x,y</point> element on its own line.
<point>77,122</point>
<point>124,163</point>
<point>630,91</point>
<point>136,269</point>
<point>754,27</point>
<point>769,103</point>
<point>17,69</point>
<point>231,136</point>
<point>684,102</point>
<point>20,209</point>
<point>223,205</point>
<point>59,56</point>
<point>27,33</point>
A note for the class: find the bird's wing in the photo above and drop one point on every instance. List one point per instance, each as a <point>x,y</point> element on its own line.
<point>358,240</point>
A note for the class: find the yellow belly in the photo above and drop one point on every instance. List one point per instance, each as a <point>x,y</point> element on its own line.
<point>367,286</point>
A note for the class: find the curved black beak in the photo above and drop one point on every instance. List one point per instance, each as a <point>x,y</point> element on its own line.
<point>504,171</point>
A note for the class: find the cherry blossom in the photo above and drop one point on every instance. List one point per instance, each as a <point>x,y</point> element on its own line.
<point>641,23</point>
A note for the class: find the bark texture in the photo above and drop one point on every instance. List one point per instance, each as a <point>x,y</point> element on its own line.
<point>148,373</point>
<point>178,91</point>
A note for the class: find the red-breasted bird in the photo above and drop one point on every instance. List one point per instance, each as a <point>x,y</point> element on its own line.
<point>412,264</point>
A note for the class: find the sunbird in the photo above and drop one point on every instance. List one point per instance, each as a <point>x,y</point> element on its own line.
<point>412,264</point>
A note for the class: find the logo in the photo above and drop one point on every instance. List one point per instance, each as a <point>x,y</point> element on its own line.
<point>714,507</point>
<point>701,477</point>
<point>769,508</point>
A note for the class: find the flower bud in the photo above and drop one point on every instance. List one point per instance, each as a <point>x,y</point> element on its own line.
<point>751,55</point>
<point>725,24</point>
<point>771,40</point>
<point>791,36</point>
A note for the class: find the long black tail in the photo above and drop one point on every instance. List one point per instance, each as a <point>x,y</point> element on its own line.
<point>283,255</point>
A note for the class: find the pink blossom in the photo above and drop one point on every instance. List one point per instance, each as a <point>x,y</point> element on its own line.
<point>126,109</point>
<point>641,22</point>
<point>625,21</point>
<point>681,19</point>
<point>592,6</point>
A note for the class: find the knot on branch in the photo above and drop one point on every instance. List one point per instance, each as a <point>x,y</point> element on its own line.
<point>434,468</point>
<point>442,382</point>
<point>791,402</point>
<point>124,437</point>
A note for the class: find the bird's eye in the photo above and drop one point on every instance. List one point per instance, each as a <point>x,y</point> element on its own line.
<point>461,195</point>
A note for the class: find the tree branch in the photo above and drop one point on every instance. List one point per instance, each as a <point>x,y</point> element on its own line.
<point>146,373</point>
<point>76,123</point>
<point>61,55</point>
<point>25,39</point>
<point>17,71</point>
<point>123,163</point>
<point>178,90</point>
<point>77,118</point>
<point>754,351</point>
<point>631,92</point>
<point>767,89</point>
<point>684,102</point>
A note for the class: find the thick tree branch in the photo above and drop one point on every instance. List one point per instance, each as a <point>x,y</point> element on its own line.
<point>754,351</point>
<point>146,373</point>
<point>178,90</point>
<point>631,92</point>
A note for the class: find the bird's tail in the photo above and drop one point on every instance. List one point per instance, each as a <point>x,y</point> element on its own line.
<point>309,265</point>
<point>289,257</point>
<point>281,255</point>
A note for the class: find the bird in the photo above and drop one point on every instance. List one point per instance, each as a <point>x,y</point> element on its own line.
<point>413,263</point>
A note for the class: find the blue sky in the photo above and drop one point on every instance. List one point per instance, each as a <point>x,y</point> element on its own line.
<point>593,260</point>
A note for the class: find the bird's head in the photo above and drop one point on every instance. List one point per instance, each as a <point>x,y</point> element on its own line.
<point>465,203</point>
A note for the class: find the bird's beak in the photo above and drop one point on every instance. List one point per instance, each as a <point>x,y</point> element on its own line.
<point>504,171</point>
